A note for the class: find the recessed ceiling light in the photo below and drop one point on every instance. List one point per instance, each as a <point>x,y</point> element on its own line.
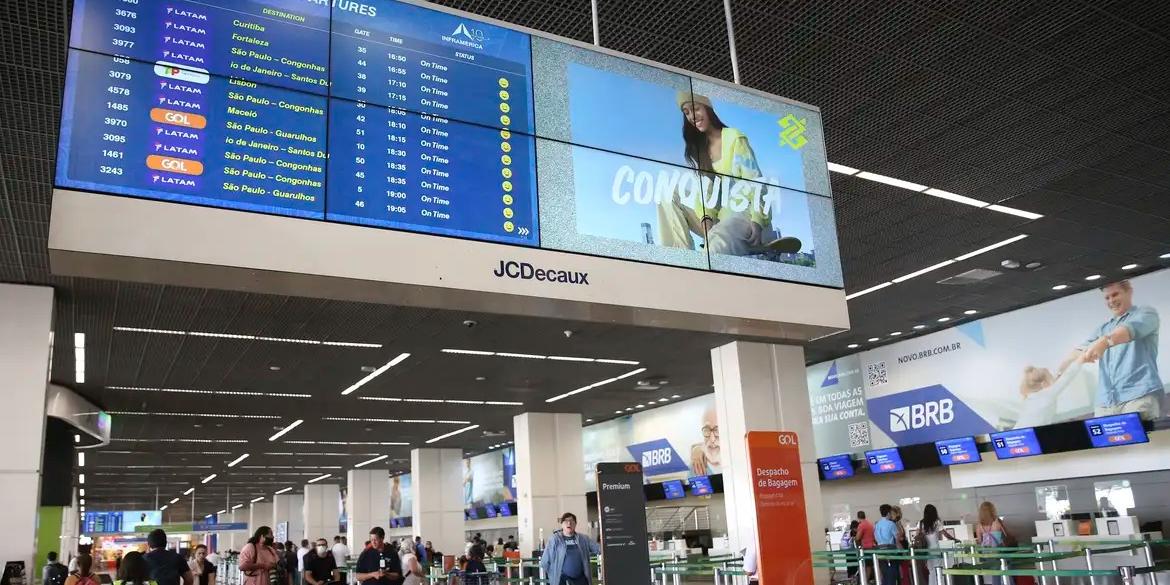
<point>282,432</point>
<point>283,491</point>
<point>375,373</point>
<point>257,499</point>
<point>895,333</point>
<point>1129,266</point>
<point>617,412</point>
<point>588,420</point>
<point>844,170</point>
<point>970,312</point>
<point>676,396</point>
<point>237,506</point>
<point>663,399</point>
<point>1165,256</point>
<point>1060,287</point>
<point>163,509</point>
<point>173,501</point>
<point>274,368</point>
<point>873,339</point>
<point>369,461</point>
<point>852,346</point>
<point>596,384</point>
<point>943,319</point>
<point>1093,277</point>
<point>320,477</point>
<point>920,326</point>
<point>890,181</point>
<point>210,477</point>
<point>640,406</point>
<point>189,491</point>
<point>480,378</point>
<point>237,460</point>
<point>451,434</point>
<point>629,409</point>
<point>222,512</point>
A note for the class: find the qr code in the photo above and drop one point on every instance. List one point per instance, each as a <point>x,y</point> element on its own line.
<point>858,434</point>
<point>875,374</point>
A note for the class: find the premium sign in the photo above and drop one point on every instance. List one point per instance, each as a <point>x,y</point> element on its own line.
<point>622,505</point>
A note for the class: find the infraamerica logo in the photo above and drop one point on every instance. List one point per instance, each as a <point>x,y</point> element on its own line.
<point>830,376</point>
<point>793,132</point>
<point>466,36</point>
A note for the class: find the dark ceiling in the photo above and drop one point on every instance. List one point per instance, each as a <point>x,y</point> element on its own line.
<point>1055,107</point>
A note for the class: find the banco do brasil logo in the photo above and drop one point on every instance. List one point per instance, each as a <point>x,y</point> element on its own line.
<point>793,131</point>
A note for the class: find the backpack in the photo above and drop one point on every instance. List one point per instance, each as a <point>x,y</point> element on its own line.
<point>87,580</point>
<point>57,574</point>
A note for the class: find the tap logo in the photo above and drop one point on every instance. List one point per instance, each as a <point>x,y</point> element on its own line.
<point>793,131</point>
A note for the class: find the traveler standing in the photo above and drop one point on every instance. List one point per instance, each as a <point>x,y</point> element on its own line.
<point>134,570</point>
<point>320,566</point>
<point>84,574</point>
<point>903,543</point>
<point>259,558</point>
<point>379,563</point>
<point>931,529</point>
<point>431,554</point>
<point>301,552</point>
<point>341,556</point>
<point>849,543</point>
<point>166,566</point>
<point>54,573</point>
<point>291,562</point>
<point>885,534</point>
<point>566,557</point>
<point>413,572</point>
<point>864,532</point>
<point>990,531</point>
<point>201,568</point>
<point>420,551</point>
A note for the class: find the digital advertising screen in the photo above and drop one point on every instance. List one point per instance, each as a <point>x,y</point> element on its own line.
<point>701,486</point>
<point>884,460</point>
<point>1116,430</point>
<point>1015,443</point>
<point>489,510</point>
<point>506,509</point>
<point>472,514</point>
<point>957,451</point>
<point>392,115</point>
<point>674,489</point>
<point>836,466</point>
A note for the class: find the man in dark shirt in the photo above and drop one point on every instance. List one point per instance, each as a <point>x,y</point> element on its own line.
<point>166,566</point>
<point>320,566</point>
<point>378,563</point>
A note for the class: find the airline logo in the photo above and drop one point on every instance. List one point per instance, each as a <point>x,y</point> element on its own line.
<point>181,73</point>
<point>924,415</point>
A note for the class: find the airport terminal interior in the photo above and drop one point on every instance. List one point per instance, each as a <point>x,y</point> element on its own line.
<point>528,292</point>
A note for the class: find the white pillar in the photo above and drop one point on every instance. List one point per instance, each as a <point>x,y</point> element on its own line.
<point>260,514</point>
<point>762,387</point>
<point>322,511</point>
<point>291,508</point>
<point>367,502</point>
<point>26,327</point>
<point>233,540</point>
<point>549,477</point>
<point>437,491</point>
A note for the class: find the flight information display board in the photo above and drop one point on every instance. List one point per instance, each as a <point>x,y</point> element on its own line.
<point>1116,430</point>
<point>674,489</point>
<point>884,460</point>
<point>957,451</point>
<point>1016,443</point>
<point>701,486</point>
<point>836,466</point>
<point>395,115</point>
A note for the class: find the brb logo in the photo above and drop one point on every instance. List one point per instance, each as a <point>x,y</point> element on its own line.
<point>917,416</point>
<point>658,457</point>
<point>924,415</point>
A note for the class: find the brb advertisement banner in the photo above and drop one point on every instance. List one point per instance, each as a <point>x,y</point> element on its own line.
<point>1089,354</point>
<point>837,400</point>
<point>782,543</point>
<point>676,441</point>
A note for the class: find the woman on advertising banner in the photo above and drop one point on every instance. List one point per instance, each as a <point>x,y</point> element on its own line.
<point>712,147</point>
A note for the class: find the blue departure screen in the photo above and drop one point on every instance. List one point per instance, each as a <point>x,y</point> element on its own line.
<point>701,486</point>
<point>957,451</point>
<point>229,104</point>
<point>836,466</point>
<point>505,509</point>
<point>674,489</point>
<point>1113,431</point>
<point>884,460</point>
<point>1015,443</point>
<point>489,510</point>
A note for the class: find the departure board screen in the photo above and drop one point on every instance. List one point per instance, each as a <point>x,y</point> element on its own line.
<point>421,124</point>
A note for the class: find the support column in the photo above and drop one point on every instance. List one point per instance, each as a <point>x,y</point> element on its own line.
<point>260,514</point>
<point>762,387</point>
<point>367,502</point>
<point>549,477</point>
<point>234,539</point>
<point>26,328</point>
<point>437,490</point>
<point>291,508</point>
<point>323,511</point>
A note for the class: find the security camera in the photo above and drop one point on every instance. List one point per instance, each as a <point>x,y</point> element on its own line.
<point>568,333</point>
<point>470,323</point>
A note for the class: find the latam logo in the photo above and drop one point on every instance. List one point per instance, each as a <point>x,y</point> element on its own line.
<point>924,415</point>
<point>658,457</point>
<point>526,271</point>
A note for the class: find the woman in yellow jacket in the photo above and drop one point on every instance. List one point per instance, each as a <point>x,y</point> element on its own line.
<point>723,155</point>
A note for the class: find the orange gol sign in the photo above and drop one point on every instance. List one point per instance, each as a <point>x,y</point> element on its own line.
<point>177,118</point>
<point>174,165</point>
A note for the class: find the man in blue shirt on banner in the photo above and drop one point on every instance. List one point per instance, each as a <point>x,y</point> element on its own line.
<point>1125,349</point>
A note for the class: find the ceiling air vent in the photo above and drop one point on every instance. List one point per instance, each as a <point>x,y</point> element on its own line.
<point>972,276</point>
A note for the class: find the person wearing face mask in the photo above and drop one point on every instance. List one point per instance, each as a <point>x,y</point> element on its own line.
<point>201,568</point>
<point>320,566</point>
<point>258,558</point>
<point>566,558</point>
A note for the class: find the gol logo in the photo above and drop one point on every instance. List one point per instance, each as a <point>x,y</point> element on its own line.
<point>633,468</point>
<point>787,439</point>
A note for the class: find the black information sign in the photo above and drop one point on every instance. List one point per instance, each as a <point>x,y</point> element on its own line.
<point>625,552</point>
